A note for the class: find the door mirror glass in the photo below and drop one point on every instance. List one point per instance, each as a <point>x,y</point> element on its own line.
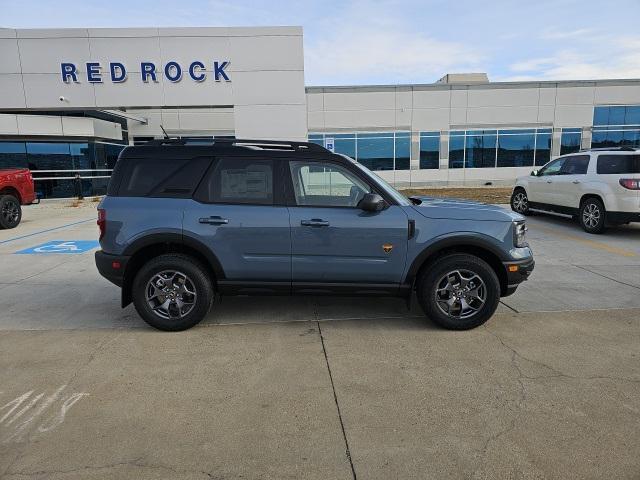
<point>372,202</point>
<point>534,173</point>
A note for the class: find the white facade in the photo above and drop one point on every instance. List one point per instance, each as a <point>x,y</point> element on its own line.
<point>69,84</point>
<point>265,77</point>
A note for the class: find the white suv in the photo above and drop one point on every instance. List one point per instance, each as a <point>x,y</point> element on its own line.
<point>599,187</point>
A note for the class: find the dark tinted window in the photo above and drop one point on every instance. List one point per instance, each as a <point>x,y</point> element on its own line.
<point>576,165</point>
<point>612,164</point>
<point>165,177</point>
<point>238,180</point>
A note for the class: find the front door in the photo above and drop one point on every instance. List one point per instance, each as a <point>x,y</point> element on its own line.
<point>334,242</point>
<point>235,213</point>
<point>542,188</point>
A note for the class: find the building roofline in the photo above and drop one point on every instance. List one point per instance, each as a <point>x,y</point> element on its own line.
<point>466,86</point>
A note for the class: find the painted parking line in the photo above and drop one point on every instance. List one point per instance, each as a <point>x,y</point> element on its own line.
<point>65,247</point>
<point>47,230</point>
<point>590,243</point>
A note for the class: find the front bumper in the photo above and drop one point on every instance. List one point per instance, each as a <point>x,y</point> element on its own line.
<point>111,267</point>
<point>519,271</point>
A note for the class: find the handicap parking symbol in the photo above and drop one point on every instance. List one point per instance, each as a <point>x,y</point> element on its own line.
<point>62,246</point>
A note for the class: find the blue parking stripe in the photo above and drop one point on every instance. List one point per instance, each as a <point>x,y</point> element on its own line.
<point>47,230</point>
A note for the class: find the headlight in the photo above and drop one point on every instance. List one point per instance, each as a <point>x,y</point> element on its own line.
<point>519,234</point>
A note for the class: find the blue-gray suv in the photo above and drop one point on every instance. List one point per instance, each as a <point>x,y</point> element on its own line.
<point>184,221</point>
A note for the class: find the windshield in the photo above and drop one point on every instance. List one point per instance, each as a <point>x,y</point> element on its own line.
<point>397,196</point>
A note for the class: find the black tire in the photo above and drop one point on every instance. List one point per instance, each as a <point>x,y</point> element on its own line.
<point>197,280</point>
<point>592,216</point>
<point>429,289</point>
<point>520,201</point>
<point>10,212</point>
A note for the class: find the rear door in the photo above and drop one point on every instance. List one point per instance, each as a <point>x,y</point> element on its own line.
<point>334,242</point>
<point>611,169</point>
<point>236,213</point>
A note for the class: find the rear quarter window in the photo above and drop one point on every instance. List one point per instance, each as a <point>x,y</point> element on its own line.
<point>618,164</point>
<point>164,177</point>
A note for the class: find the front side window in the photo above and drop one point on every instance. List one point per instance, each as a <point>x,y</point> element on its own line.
<point>552,168</point>
<point>576,165</point>
<point>320,184</point>
<point>238,180</point>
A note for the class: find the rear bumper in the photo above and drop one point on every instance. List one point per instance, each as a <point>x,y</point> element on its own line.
<point>623,217</point>
<point>111,267</point>
<point>518,272</point>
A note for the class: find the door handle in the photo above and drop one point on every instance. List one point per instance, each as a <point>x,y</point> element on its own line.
<point>549,181</point>
<point>314,222</point>
<point>214,220</point>
<point>575,182</point>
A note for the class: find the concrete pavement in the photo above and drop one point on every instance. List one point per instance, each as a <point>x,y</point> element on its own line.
<point>320,387</point>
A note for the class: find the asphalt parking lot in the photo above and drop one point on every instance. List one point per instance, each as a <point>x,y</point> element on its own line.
<point>327,388</point>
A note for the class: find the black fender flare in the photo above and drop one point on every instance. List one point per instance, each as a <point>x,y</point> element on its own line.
<point>166,238</point>
<point>452,240</point>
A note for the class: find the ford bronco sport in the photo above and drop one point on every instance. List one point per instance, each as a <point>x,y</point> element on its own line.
<point>183,221</point>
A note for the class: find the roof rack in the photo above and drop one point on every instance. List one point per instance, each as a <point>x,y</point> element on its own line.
<point>609,149</point>
<point>241,142</point>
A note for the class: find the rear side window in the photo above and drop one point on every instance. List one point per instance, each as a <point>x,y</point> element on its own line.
<point>165,178</point>
<point>575,165</point>
<point>238,180</point>
<point>621,164</point>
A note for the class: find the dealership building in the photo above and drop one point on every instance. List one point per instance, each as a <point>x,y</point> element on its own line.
<point>71,99</point>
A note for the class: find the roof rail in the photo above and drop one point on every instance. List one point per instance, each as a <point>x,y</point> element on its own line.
<point>241,142</point>
<point>625,148</point>
<point>269,144</point>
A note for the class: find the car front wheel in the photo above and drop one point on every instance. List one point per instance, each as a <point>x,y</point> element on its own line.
<point>459,291</point>
<point>10,211</point>
<point>520,201</point>
<point>592,216</point>
<point>172,292</point>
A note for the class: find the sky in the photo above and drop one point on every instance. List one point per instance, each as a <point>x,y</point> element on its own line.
<point>395,42</point>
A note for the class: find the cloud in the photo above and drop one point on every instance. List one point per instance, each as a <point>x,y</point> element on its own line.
<point>596,57</point>
<point>383,48</point>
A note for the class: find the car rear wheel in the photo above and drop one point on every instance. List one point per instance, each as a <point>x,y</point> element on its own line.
<point>592,216</point>
<point>10,211</point>
<point>520,201</point>
<point>459,291</point>
<point>172,292</point>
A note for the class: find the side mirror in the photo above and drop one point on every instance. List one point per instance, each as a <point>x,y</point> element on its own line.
<point>534,173</point>
<point>372,202</point>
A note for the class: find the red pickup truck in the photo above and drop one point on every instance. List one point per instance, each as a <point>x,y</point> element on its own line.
<point>16,188</point>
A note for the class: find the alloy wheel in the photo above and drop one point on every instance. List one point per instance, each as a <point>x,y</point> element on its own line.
<point>171,294</point>
<point>460,294</point>
<point>520,202</point>
<point>591,215</point>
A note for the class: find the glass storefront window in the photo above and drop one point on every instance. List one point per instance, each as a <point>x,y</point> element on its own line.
<point>13,155</point>
<point>570,140</point>
<point>429,150</point>
<point>456,149</point>
<point>375,151</point>
<point>402,150</point>
<point>480,149</point>
<point>543,147</point>
<point>516,149</point>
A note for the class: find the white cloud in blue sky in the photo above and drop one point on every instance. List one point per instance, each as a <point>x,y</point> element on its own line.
<point>387,42</point>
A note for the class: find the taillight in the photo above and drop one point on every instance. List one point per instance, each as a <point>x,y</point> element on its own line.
<point>630,183</point>
<point>102,222</point>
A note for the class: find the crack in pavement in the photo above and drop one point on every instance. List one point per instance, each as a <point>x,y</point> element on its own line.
<point>607,277</point>
<point>335,395</point>
<point>136,462</point>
